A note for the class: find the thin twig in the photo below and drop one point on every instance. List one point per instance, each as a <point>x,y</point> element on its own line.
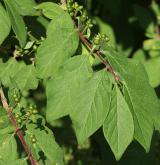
<point>18,131</point>
<point>110,69</point>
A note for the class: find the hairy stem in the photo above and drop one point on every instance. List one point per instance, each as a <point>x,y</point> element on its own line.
<point>18,131</point>
<point>107,65</point>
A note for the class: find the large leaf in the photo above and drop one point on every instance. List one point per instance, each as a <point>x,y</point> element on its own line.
<point>4,24</point>
<point>50,10</point>
<point>91,105</point>
<point>24,75</point>
<point>118,127</point>
<point>61,43</point>
<point>46,147</point>
<point>17,22</point>
<point>9,70</point>
<point>25,7</point>
<point>140,96</point>
<point>62,87</point>
<point>8,148</point>
<point>26,78</point>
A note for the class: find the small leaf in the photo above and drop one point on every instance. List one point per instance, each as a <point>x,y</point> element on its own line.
<point>50,10</point>
<point>118,127</point>
<point>61,43</point>
<point>17,22</point>
<point>4,24</point>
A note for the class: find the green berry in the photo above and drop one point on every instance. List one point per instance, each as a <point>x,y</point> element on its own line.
<point>26,51</point>
<point>97,40</point>
<point>32,136</point>
<point>17,115</point>
<point>80,8</point>
<point>71,14</point>
<point>35,111</point>
<point>33,140</point>
<point>28,113</point>
<point>16,100</point>
<point>103,35</point>
<point>30,107</point>
<point>14,96</point>
<point>19,121</point>
<point>90,25</point>
<point>35,47</point>
<point>75,5</point>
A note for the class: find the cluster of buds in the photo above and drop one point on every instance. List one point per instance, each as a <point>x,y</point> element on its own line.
<point>21,118</point>
<point>78,12</point>
<point>100,39</point>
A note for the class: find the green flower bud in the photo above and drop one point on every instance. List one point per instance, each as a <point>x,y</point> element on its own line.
<point>35,47</point>
<point>71,14</point>
<point>17,115</point>
<point>75,5</point>
<point>80,8</point>
<point>33,140</point>
<point>35,111</point>
<point>19,121</point>
<point>28,113</point>
<point>16,100</point>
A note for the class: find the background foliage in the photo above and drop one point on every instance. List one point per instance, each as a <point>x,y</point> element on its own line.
<point>46,37</point>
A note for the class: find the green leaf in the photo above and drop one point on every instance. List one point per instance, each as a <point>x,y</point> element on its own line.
<point>9,70</point>
<point>8,148</point>
<point>46,144</point>
<point>26,78</point>
<point>61,43</point>
<point>26,7</point>
<point>140,55</point>
<point>62,87</point>
<point>4,24</point>
<point>4,120</point>
<point>91,105</point>
<point>24,75</point>
<point>17,22</point>
<point>140,96</point>
<point>151,44</point>
<point>118,127</point>
<point>153,67</point>
<point>50,10</point>
<point>15,162</point>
